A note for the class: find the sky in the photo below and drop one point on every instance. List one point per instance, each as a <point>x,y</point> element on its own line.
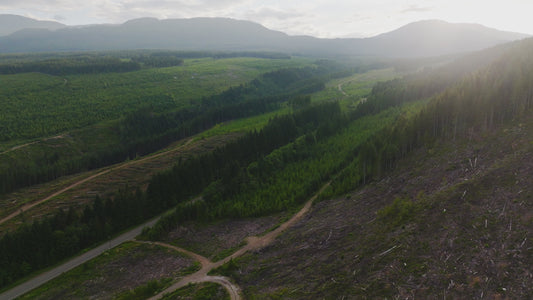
<point>320,18</point>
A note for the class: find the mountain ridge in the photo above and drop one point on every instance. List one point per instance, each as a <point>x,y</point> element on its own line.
<point>418,39</point>
<point>10,24</point>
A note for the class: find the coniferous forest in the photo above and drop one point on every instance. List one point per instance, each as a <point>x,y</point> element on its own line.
<point>268,169</point>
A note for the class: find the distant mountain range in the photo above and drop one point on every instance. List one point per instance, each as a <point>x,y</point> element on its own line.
<point>12,23</point>
<point>419,39</point>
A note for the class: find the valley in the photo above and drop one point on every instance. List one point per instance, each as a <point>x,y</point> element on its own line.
<point>178,174</point>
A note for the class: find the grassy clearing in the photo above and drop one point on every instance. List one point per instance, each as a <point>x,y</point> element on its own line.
<point>349,90</point>
<point>243,125</point>
<point>117,272</point>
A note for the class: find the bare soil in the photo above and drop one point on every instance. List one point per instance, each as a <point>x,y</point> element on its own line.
<point>214,239</point>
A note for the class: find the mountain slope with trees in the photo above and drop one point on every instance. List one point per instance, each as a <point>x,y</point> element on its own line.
<point>429,177</point>
<point>437,205</point>
<point>12,23</point>
<point>420,39</point>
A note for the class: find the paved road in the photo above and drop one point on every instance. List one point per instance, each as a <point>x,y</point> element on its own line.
<point>45,277</point>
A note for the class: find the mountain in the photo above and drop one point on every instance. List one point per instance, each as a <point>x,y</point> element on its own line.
<point>452,219</point>
<point>12,23</point>
<point>439,38</point>
<point>425,38</point>
<point>148,33</point>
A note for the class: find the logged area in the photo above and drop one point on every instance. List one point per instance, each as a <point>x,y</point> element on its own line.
<point>453,220</point>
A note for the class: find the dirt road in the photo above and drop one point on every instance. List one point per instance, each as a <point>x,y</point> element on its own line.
<point>113,168</point>
<point>341,90</point>
<point>201,275</point>
<point>31,143</point>
<point>253,243</point>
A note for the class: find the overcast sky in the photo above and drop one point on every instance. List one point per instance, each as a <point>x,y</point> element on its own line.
<point>321,18</point>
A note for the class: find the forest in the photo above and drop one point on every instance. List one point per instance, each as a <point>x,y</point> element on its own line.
<point>78,65</point>
<point>275,168</point>
<point>144,131</point>
<point>112,61</point>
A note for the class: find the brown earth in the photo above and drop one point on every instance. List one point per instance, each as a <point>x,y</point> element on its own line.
<point>214,239</point>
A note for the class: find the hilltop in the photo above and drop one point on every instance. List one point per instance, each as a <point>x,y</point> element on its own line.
<point>12,23</point>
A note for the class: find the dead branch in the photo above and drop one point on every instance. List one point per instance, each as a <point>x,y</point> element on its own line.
<point>383,253</point>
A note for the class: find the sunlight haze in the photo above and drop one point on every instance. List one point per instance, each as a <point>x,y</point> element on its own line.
<point>320,18</point>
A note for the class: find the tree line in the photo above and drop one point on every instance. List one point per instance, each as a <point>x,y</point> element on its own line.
<point>113,61</point>
<point>74,65</point>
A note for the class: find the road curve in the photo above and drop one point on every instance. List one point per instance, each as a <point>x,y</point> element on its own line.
<point>45,277</point>
<point>201,275</point>
<point>341,90</point>
<point>253,243</point>
<point>232,289</point>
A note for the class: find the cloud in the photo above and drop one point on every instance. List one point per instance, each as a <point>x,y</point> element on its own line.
<point>416,9</point>
<point>59,18</point>
<point>268,13</point>
<point>190,5</point>
<point>323,18</point>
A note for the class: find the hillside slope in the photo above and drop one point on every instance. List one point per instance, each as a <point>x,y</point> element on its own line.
<point>462,229</point>
<point>12,23</point>
<point>438,38</point>
<point>453,218</point>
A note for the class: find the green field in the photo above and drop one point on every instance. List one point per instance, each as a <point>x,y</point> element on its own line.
<point>349,90</point>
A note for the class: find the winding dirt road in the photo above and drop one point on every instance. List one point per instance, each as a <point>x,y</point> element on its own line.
<point>253,243</point>
<point>31,143</point>
<point>341,90</point>
<point>113,168</point>
<point>201,275</point>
